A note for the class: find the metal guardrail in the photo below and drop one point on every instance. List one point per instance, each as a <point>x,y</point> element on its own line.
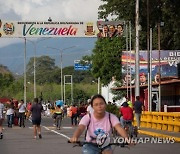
<point>166,107</point>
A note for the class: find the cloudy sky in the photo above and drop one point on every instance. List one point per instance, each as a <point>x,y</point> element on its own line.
<point>41,10</point>
<point>11,49</point>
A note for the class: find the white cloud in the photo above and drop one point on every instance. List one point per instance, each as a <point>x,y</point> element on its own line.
<point>85,10</point>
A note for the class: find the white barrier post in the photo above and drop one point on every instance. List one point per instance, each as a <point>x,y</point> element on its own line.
<point>165,108</point>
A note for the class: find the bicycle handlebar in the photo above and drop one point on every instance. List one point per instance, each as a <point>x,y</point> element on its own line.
<point>80,143</point>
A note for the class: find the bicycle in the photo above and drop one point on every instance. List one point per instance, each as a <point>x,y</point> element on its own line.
<point>100,150</point>
<point>130,129</point>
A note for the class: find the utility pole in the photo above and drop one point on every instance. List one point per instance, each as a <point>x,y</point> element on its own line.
<point>34,43</point>
<point>61,65</point>
<point>148,57</point>
<point>150,74</point>
<point>137,88</point>
<point>25,70</point>
<point>159,48</point>
<point>130,60</point>
<point>127,56</point>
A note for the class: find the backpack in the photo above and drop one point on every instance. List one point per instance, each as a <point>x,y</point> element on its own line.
<point>90,122</point>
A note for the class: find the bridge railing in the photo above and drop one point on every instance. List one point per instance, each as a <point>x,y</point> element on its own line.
<point>170,106</point>
<point>169,121</point>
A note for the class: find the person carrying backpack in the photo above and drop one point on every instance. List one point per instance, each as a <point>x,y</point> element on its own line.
<point>98,124</point>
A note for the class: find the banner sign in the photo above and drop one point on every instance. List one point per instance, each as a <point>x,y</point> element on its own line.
<point>81,67</point>
<point>57,29</point>
<point>110,29</point>
<point>168,64</point>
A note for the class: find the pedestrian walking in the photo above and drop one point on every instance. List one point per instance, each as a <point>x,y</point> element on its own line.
<point>1,119</point>
<point>29,105</point>
<point>138,108</point>
<point>89,108</point>
<point>74,116</point>
<point>36,110</point>
<point>82,110</point>
<point>10,115</point>
<point>130,104</point>
<point>22,111</point>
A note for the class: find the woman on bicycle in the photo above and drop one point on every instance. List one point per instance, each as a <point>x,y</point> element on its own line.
<point>99,123</point>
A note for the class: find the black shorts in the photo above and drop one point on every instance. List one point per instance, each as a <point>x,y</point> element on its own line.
<point>36,122</point>
<point>1,121</point>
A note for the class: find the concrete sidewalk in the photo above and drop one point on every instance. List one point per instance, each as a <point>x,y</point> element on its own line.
<point>160,133</point>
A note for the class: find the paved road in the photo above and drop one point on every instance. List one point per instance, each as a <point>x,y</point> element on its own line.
<point>20,140</point>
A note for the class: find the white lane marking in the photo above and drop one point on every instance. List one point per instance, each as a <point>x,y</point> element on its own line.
<point>46,127</point>
<point>67,127</point>
<point>63,135</point>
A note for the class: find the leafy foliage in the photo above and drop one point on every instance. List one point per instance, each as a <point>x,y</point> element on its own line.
<point>6,77</point>
<point>118,94</point>
<point>106,59</point>
<point>45,67</point>
<point>48,82</point>
<point>113,109</point>
<point>166,11</point>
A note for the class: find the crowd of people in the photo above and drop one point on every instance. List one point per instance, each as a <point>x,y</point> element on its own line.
<point>76,112</point>
<point>94,116</point>
<point>17,113</point>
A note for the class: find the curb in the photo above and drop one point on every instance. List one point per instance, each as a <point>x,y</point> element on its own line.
<point>176,139</point>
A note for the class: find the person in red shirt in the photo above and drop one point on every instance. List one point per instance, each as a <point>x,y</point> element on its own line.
<point>81,110</point>
<point>74,116</point>
<point>29,105</point>
<point>127,114</point>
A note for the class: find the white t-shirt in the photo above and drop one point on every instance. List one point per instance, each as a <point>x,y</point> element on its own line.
<point>90,109</point>
<point>1,110</point>
<point>10,111</point>
<point>44,107</point>
<point>22,108</point>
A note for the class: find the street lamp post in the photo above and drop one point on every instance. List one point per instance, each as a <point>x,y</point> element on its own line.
<point>61,52</point>
<point>35,45</point>
<point>25,70</point>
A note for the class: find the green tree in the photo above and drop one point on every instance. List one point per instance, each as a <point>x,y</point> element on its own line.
<point>45,68</point>
<point>106,59</point>
<point>17,87</point>
<point>6,78</point>
<point>166,11</point>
